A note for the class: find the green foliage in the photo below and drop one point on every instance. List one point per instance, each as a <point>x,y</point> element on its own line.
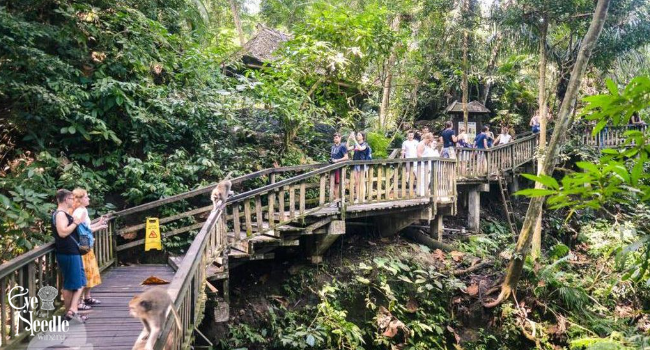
<point>379,144</point>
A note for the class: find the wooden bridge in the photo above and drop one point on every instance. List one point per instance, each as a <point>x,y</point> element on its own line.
<point>298,206</point>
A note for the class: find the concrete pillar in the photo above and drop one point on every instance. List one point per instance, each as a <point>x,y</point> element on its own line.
<point>437,227</point>
<point>474,209</point>
<point>322,242</point>
<point>391,224</point>
<point>514,185</point>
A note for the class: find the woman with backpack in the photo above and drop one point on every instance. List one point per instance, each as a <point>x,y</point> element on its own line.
<point>68,259</point>
<point>93,278</point>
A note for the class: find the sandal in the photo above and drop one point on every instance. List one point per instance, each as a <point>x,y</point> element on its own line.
<point>92,301</point>
<point>71,315</point>
<point>84,307</point>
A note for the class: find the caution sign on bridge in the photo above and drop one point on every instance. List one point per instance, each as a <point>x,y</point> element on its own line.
<point>152,239</point>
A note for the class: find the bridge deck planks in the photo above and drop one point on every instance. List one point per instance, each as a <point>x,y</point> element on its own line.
<point>109,325</point>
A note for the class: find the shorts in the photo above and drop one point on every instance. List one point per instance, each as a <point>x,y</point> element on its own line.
<point>337,176</point>
<point>535,129</point>
<point>449,152</point>
<point>72,270</point>
<point>358,168</point>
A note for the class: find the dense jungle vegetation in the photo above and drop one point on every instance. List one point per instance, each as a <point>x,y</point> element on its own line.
<point>136,100</point>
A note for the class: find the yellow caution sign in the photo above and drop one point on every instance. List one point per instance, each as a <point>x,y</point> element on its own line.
<point>152,235</point>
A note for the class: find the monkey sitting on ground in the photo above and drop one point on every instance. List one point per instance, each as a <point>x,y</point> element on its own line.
<point>221,192</point>
<point>151,308</point>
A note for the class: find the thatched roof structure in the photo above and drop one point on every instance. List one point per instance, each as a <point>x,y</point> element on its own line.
<point>261,46</point>
<point>473,107</point>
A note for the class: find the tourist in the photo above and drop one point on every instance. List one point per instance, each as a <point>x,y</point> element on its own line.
<point>463,139</point>
<point>481,142</point>
<point>91,269</point>
<point>361,152</point>
<point>534,123</point>
<point>636,120</point>
<point>449,140</point>
<point>426,149</point>
<point>503,138</point>
<point>338,153</point>
<point>409,150</point>
<point>66,246</point>
<point>420,134</point>
<point>490,139</point>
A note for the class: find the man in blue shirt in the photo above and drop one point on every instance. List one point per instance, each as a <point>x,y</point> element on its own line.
<point>481,142</point>
<point>338,153</point>
<point>449,140</point>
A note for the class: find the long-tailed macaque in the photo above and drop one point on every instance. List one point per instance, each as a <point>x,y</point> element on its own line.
<point>221,192</point>
<point>151,308</point>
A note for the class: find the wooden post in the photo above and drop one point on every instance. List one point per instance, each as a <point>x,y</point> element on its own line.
<point>281,204</point>
<point>370,186</point>
<point>342,189</point>
<point>321,190</point>
<point>292,202</point>
<point>258,214</point>
<point>352,184</point>
<point>302,199</point>
<point>271,211</point>
<point>247,217</point>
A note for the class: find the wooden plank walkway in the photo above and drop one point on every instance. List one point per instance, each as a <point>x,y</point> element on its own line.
<point>109,325</point>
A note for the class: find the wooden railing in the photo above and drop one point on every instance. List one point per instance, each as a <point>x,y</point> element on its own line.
<point>261,210</point>
<point>37,268</point>
<point>187,288</point>
<point>610,136</point>
<point>479,163</point>
<point>193,206</point>
<point>34,270</point>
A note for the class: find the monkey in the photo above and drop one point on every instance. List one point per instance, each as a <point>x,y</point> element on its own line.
<point>221,192</point>
<point>151,308</point>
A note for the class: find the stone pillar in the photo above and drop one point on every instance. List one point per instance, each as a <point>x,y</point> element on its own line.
<point>474,209</point>
<point>436,227</point>
<point>514,185</point>
<point>322,242</point>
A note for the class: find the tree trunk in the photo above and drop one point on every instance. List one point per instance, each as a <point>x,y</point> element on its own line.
<point>465,49</point>
<point>490,68</point>
<point>537,233</point>
<point>235,17</point>
<point>385,97</point>
<point>557,139</point>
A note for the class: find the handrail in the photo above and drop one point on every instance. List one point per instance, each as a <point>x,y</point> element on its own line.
<point>12,265</point>
<point>208,188</point>
<point>327,169</point>
<point>189,274</point>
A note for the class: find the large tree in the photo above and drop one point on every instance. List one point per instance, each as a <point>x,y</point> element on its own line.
<point>565,118</point>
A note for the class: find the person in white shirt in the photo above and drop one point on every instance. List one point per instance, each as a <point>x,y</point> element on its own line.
<point>504,137</point>
<point>410,146</point>
<point>409,150</point>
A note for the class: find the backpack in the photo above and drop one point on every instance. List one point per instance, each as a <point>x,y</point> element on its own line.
<point>369,152</point>
<point>86,239</point>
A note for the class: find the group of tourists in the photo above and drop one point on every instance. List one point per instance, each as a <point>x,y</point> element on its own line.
<point>448,141</point>
<point>78,266</point>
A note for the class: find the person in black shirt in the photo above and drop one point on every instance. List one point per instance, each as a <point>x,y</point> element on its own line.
<point>338,153</point>
<point>66,245</point>
<point>448,139</point>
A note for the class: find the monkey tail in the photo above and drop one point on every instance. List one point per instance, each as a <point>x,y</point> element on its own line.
<point>177,318</point>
